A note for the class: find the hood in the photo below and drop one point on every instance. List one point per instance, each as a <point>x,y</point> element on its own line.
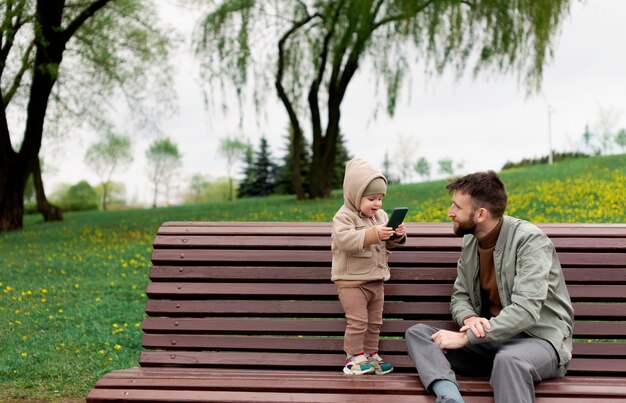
<point>359,173</point>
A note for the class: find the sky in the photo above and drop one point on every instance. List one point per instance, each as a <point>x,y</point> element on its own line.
<point>481,122</point>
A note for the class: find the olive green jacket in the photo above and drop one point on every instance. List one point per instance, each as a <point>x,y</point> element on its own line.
<point>530,282</point>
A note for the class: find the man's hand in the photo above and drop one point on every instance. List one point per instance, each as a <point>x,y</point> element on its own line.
<point>477,325</point>
<point>447,340</point>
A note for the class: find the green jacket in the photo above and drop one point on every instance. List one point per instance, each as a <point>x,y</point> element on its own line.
<point>530,282</point>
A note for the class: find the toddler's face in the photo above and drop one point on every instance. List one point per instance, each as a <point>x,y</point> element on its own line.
<point>370,204</point>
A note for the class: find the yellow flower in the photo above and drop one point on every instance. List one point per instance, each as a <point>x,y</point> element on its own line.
<point>117,347</point>
<point>24,354</point>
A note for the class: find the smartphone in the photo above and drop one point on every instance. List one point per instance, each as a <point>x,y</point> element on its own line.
<point>396,218</point>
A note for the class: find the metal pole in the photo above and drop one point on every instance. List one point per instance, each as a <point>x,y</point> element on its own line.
<point>550,110</point>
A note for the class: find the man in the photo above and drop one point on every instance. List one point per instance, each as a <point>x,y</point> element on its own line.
<point>509,300</point>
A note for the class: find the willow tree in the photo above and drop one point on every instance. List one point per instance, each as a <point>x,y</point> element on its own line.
<point>64,62</point>
<point>317,46</point>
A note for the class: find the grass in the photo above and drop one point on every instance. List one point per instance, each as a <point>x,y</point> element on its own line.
<point>72,293</point>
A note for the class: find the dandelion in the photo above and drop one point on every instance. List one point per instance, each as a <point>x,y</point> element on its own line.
<point>24,355</point>
<point>117,347</point>
<point>101,352</point>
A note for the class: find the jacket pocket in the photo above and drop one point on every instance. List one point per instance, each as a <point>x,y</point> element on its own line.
<point>360,262</point>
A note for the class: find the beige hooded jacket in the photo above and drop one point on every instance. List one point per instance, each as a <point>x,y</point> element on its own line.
<point>358,255</point>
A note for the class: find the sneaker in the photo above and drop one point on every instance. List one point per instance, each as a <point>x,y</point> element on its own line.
<point>358,365</point>
<point>380,367</point>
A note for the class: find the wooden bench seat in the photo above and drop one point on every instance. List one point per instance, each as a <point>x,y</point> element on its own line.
<point>247,312</point>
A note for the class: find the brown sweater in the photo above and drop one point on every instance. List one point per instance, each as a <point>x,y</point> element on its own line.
<point>487,274</point>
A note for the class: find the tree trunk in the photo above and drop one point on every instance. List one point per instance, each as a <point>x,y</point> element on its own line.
<point>49,211</point>
<point>12,196</point>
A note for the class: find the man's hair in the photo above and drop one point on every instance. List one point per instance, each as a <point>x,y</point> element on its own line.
<point>485,189</point>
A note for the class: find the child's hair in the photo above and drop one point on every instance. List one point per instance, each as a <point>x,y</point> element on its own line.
<point>486,190</point>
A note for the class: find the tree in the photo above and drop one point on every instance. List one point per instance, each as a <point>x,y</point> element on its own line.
<point>163,161</point>
<point>620,139</point>
<point>55,65</point>
<point>320,45</point>
<point>105,158</point>
<point>232,149</point>
<point>403,157</point>
<point>79,197</point>
<point>422,168</point>
<point>590,143</point>
<point>197,187</point>
<point>260,175</point>
<point>445,166</point>
<point>604,127</point>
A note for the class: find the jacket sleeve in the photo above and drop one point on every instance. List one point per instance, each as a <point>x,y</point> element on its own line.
<point>346,236</point>
<point>529,291</point>
<point>461,305</point>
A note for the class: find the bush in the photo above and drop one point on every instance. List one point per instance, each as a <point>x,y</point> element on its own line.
<point>556,157</point>
<point>80,197</point>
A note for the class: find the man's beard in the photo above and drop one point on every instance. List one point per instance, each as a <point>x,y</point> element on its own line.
<point>465,228</point>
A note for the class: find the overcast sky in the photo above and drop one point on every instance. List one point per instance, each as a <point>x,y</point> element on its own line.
<point>482,122</point>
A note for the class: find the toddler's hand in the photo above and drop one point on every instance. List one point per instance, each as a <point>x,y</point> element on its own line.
<point>384,232</point>
<point>400,231</point>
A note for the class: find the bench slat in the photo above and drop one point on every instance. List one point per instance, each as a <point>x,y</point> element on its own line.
<point>587,275</point>
<point>321,345</point>
<point>239,359</point>
<point>336,327</point>
<point>323,257</point>
<point>293,308</point>
<point>308,291</point>
<point>323,243</point>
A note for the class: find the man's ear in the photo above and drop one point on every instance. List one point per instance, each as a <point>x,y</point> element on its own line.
<point>482,214</point>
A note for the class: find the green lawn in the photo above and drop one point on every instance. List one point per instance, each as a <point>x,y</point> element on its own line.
<point>73,293</point>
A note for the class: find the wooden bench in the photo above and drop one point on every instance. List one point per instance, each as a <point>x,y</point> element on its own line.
<point>246,312</point>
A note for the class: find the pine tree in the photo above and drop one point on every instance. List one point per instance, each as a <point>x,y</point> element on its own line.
<point>245,188</point>
<point>259,172</point>
<point>265,170</point>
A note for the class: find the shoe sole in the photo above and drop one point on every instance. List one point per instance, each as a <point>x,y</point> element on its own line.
<point>350,372</point>
<point>383,372</point>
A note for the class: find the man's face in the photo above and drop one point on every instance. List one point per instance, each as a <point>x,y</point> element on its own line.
<point>462,213</point>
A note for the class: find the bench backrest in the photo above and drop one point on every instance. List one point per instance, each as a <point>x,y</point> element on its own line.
<point>258,295</point>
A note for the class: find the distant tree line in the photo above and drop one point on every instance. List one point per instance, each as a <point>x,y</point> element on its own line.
<point>263,176</point>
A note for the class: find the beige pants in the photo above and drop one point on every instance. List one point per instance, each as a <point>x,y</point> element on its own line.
<point>363,306</point>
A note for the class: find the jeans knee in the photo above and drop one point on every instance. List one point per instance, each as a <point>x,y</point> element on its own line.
<point>416,331</point>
